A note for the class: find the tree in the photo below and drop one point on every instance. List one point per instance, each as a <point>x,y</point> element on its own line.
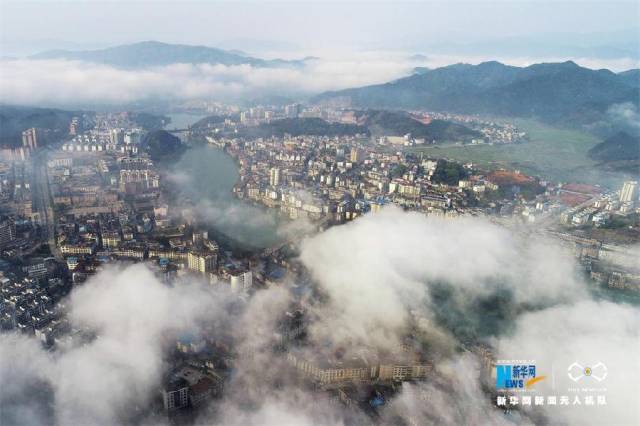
<point>449,172</point>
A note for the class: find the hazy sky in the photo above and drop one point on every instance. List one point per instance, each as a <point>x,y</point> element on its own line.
<point>312,25</point>
<point>358,43</point>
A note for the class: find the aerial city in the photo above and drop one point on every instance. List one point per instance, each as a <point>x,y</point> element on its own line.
<point>319,213</point>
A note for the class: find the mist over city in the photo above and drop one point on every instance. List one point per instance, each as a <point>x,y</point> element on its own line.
<point>319,213</point>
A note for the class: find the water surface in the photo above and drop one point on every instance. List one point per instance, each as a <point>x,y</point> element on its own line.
<point>206,175</point>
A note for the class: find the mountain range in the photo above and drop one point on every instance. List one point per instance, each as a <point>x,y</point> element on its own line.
<point>154,53</point>
<point>371,122</point>
<point>301,126</point>
<point>162,145</point>
<point>620,151</point>
<point>398,123</point>
<point>553,92</point>
<point>15,119</point>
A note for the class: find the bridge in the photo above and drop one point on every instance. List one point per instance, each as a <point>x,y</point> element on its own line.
<point>269,251</point>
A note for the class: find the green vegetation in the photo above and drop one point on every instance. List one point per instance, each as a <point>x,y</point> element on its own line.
<point>60,209</point>
<point>398,170</point>
<point>149,121</point>
<point>558,93</point>
<point>619,152</point>
<point>301,126</point>
<point>530,191</point>
<point>621,146</point>
<point>153,53</point>
<point>551,152</point>
<point>618,222</point>
<point>398,123</point>
<point>162,145</point>
<point>449,172</point>
<point>390,123</point>
<point>210,121</point>
<point>15,119</point>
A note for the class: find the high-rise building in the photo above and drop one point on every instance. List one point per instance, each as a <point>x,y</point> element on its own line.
<point>74,126</point>
<point>257,112</point>
<point>116,136</point>
<point>629,192</point>
<point>30,138</point>
<point>132,137</point>
<point>7,232</point>
<point>356,154</point>
<point>241,281</point>
<point>203,262</point>
<point>199,237</point>
<point>274,176</point>
<point>176,394</point>
<point>292,110</point>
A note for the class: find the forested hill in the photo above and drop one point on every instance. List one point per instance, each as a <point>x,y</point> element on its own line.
<point>561,93</point>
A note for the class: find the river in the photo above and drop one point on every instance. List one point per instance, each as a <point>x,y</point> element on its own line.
<point>206,175</point>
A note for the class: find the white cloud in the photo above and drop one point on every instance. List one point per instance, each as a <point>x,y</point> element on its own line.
<point>25,394</point>
<point>103,381</point>
<point>455,397</point>
<point>251,225</point>
<point>379,268</point>
<point>625,114</point>
<point>59,82</point>
<point>376,272</point>
<point>586,332</point>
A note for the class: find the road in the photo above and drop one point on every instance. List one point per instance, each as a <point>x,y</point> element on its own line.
<point>42,201</point>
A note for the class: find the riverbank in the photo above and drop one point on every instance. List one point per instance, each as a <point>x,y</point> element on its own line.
<point>204,179</point>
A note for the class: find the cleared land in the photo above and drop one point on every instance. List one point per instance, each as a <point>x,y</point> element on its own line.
<point>553,153</point>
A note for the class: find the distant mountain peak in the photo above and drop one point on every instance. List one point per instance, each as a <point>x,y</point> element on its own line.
<point>491,64</point>
<point>560,92</point>
<point>621,146</point>
<point>148,43</point>
<point>631,77</point>
<point>150,53</point>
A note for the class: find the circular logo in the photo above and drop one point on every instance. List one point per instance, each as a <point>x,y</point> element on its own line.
<point>598,372</point>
